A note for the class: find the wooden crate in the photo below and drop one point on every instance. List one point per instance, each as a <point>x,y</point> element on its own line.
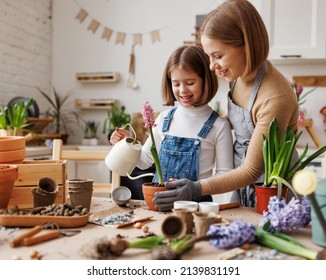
<point>29,173</point>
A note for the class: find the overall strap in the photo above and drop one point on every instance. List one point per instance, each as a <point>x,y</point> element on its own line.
<point>167,120</point>
<point>207,125</point>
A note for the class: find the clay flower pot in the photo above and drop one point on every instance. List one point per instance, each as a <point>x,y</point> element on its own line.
<point>12,149</point>
<point>8,175</point>
<point>149,189</point>
<point>263,196</point>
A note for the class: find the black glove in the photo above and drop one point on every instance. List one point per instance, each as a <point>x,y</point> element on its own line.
<point>183,189</point>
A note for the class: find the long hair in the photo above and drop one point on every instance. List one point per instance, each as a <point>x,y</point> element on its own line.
<point>238,23</point>
<point>192,59</point>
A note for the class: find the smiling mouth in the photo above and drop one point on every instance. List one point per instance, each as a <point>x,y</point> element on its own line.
<point>186,98</point>
<point>223,73</point>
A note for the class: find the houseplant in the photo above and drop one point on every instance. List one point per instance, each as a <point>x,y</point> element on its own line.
<point>117,117</point>
<point>59,111</point>
<point>14,117</point>
<point>150,188</point>
<point>90,133</point>
<point>277,155</point>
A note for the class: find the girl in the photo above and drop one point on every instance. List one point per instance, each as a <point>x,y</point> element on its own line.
<point>191,139</point>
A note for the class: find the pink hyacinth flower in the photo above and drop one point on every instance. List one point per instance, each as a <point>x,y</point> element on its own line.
<point>148,115</point>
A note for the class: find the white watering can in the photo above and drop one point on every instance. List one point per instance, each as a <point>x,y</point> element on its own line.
<point>124,156</point>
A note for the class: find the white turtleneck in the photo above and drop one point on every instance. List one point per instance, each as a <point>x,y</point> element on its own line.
<point>216,153</point>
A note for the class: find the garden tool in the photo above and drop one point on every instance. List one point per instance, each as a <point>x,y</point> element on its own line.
<point>31,237</point>
<point>131,82</point>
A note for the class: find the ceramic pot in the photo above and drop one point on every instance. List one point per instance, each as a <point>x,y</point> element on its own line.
<point>12,149</point>
<point>263,195</point>
<point>8,175</point>
<point>149,189</point>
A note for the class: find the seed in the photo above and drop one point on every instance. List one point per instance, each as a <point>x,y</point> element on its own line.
<point>138,225</point>
<point>144,229</point>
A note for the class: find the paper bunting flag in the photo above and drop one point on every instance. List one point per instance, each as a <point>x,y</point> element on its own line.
<point>107,32</point>
<point>93,25</point>
<point>81,15</point>
<point>137,39</point>
<point>120,38</point>
<point>155,36</point>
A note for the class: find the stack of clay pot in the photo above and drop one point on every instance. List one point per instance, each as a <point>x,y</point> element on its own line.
<point>45,193</point>
<point>80,192</point>
<point>12,149</point>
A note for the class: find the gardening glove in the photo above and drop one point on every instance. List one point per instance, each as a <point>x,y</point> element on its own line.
<point>183,189</point>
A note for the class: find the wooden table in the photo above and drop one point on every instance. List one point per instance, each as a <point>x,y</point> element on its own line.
<point>70,247</point>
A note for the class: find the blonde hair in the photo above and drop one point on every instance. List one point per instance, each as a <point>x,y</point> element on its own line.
<point>238,23</point>
<point>193,59</point>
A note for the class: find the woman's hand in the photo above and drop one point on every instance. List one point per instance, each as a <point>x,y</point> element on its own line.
<point>118,134</point>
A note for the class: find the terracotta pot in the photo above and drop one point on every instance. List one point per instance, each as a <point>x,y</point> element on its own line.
<point>263,195</point>
<point>8,175</point>
<point>149,189</point>
<point>12,149</point>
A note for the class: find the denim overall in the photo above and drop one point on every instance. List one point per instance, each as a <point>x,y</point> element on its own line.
<point>179,156</point>
<point>243,128</point>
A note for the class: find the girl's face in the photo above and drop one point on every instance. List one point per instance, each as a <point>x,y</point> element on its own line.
<point>187,86</point>
<point>227,61</point>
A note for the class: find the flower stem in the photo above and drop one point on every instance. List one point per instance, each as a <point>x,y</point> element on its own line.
<point>156,159</point>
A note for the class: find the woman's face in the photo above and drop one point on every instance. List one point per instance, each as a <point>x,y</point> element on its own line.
<point>227,61</point>
<point>187,86</point>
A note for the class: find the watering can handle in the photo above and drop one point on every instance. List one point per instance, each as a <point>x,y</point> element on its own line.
<point>133,131</point>
<point>140,176</point>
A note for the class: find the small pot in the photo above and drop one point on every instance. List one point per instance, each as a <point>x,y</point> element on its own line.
<point>263,195</point>
<point>149,189</point>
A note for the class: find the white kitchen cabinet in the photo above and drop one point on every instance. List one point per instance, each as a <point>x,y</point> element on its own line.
<point>297,29</point>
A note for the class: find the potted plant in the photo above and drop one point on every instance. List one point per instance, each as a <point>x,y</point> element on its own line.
<point>90,133</point>
<point>117,117</point>
<point>14,117</point>
<point>277,155</point>
<point>59,111</point>
<point>149,189</point>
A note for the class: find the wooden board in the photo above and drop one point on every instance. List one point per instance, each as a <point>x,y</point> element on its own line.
<point>34,220</point>
<point>310,81</point>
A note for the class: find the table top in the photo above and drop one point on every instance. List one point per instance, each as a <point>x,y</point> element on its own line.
<point>72,247</point>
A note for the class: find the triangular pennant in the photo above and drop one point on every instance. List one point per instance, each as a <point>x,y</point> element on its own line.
<point>82,14</point>
<point>155,36</point>
<point>120,38</point>
<point>107,32</point>
<point>137,39</point>
<point>93,25</point>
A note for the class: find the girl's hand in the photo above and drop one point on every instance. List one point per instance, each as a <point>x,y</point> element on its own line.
<point>118,134</point>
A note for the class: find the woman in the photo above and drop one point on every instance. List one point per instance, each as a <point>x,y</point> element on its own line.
<point>236,41</point>
<point>192,140</point>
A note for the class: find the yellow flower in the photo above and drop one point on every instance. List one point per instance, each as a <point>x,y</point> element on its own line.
<point>304,182</point>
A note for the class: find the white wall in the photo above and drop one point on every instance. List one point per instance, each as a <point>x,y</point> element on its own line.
<point>25,47</point>
<point>27,50</point>
<point>76,49</point>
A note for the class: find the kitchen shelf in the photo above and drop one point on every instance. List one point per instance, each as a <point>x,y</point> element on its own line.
<point>95,104</point>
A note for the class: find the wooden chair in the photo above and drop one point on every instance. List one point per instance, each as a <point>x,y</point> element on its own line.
<point>99,189</point>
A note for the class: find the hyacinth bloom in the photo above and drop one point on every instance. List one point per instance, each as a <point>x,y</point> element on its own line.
<point>286,217</point>
<point>149,123</point>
